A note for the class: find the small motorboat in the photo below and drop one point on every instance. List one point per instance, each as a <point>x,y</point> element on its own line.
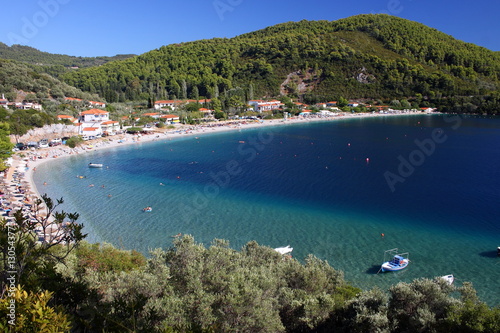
<point>147,209</point>
<point>284,250</point>
<point>95,165</point>
<point>448,278</point>
<point>398,262</point>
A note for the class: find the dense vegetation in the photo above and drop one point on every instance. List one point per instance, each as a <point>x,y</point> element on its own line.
<point>364,56</point>
<point>53,63</point>
<point>193,288</point>
<point>30,84</point>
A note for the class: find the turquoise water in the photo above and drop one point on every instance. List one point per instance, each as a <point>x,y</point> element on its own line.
<point>430,184</point>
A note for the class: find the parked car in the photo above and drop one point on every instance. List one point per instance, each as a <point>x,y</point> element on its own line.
<point>32,144</point>
<point>19,146</point>
<point>55,142</point>
<point>44,143</point>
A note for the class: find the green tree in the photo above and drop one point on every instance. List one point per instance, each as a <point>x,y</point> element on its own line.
<point>32,314</point>
<point>74,141</point>
<point>342,102</point>
<point>422,305</point>
<point>58,235</point>
<point>5,145</point>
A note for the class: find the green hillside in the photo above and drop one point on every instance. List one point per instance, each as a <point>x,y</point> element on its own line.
<point>364,56</point>
<point>19,81</point>
<point>54,64</point>
<point>33,56</point>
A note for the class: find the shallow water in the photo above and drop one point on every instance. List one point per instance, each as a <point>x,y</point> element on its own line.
<point>320,187</point>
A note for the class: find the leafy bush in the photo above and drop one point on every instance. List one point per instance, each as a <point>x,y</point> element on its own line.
<point>74,141</point>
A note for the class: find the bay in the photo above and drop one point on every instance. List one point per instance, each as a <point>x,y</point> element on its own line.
<point>430,184</point>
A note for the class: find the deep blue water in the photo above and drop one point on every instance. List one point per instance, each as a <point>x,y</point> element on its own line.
<point>430,184</point>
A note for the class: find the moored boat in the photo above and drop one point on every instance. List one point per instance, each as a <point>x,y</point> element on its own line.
<point>147,209</point>
<point>398,262</point>
<point>284,249</point>
<point>95,165</point>
<point>448,278</point>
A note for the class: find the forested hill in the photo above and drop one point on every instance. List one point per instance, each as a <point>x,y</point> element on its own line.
<point>18,82</point>
<point>364,56</point>
<point>33,56</point>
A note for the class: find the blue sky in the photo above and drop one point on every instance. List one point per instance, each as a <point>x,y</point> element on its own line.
<point>107,27</point>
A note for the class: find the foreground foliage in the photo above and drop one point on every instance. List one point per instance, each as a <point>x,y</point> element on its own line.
<point>33,314</point>
<point>193,288</point>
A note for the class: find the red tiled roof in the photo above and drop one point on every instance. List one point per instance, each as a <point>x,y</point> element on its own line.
<point>89,129</point>
<point>169,101</point>
<point>109,122</point>
<point>94,111</point>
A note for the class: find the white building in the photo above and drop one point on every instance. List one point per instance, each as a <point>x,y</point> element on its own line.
<point>264,106</point>
<point>97,104</point>
<point>95,122</point>
<point>172,104</point>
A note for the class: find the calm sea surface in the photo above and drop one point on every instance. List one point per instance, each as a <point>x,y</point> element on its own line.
<point>430,184</point>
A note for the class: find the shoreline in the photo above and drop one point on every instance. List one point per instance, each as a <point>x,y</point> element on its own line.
<point>40,156</point>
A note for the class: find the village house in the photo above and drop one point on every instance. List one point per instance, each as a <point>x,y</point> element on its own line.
<point>110,127</point>
<point>170,118</point>
<point>207,113</point>
<point>264,106</point>
<point>154,115</point>
<point>172,104</point>
<point>28,106</point>
<point>3,101</point>
<point>91,123</point>
<point>72,99</point>
<point>66,117</point>
<point>300,105</point>
<point>97,104</point>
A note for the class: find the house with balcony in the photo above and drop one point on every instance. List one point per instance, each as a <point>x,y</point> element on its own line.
<point>95,122</point>
<point>264,106</point>
<point>110,127</point>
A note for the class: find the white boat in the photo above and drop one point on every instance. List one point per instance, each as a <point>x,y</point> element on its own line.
<point>448,278</point>
<point>284,250</point>
<point>398,262</point>
<point>95,165</point>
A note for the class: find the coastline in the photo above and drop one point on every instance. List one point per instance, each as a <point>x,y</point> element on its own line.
<point>40,156</point>
<point>332,248</point>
